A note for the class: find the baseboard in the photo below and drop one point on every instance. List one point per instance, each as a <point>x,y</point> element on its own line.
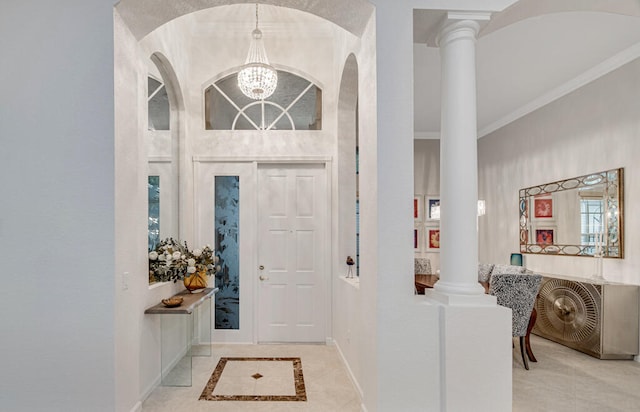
<point>137,407</point>
<point>350,372</point>
<point>149,389</point>
<point>156,382</point>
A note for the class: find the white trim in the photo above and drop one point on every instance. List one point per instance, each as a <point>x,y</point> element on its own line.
<point>350,372</point>
<point>263,159</point>
<point>137,407</point>
<point>353,282</point>
<point>607,66</point>
<point>147,392</point>
<point>159,159</point>
<point>426,135</point>
<point>156,285</point>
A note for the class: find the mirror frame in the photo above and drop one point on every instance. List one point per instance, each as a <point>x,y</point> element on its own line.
<point>613,246</point>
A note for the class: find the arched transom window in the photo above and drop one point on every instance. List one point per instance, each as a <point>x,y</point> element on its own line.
<point>295,105</point>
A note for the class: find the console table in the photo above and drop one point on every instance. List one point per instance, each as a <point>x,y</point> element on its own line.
<point>594,316</point>
<point>185,332</point>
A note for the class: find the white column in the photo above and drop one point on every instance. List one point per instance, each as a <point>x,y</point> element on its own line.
<point>458,159</point>
<point>468,318</point>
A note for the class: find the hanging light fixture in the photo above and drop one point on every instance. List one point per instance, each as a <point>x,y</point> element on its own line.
<point>257,79</point>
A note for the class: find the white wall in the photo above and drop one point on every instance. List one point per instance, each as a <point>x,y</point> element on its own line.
<point>403,361</point>
<point>56,206</point>
<point>197,59</point>
<point>73,338</point>
<point>592,129</point>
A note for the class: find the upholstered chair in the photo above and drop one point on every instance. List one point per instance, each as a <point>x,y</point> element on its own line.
<point>499,268</point>
<point>484,271</point>
<point>517,292</point>
<point>422,266</point>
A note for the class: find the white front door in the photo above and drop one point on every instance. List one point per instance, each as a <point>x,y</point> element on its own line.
<point>292,253</point>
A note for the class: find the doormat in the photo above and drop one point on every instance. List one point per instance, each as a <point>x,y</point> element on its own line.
<point>256,379</point>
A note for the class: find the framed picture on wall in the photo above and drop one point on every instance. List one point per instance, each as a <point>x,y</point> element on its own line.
<point>544,237</point>
<point>543,208</point>
<point>417,239</point>
<point>433,239</point>
<point>432,203</point>
<point>418,208</point>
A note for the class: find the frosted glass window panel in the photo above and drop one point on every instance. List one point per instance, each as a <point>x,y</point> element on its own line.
<point>158,105</point>
<point>154,211</point>
<point>227,225</point>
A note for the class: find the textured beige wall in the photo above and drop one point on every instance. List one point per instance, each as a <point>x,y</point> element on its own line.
<point>592,129</point>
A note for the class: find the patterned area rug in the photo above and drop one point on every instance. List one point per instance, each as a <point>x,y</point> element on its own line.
<point>256,379</point>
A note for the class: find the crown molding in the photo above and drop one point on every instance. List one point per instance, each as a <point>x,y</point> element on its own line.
<point>607,66</point>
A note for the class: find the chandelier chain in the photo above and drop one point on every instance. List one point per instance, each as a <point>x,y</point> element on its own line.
<point>256,16</point>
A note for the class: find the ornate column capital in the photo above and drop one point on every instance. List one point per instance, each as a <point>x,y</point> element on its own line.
<point>461,25</point>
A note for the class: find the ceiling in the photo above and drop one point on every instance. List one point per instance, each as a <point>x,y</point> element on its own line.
<point>527,56</point>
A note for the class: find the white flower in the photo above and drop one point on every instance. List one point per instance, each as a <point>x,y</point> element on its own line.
<point>161,257</point>
<point>197,252</point>
<point>153,255</point>
<point>218,268</point>
<point>216,259</point>
<point>176,255</point>
<point>191,269</point>
<point>191,262</point>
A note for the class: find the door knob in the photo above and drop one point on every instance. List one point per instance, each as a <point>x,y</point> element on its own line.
<point>261,267</point>
<point>262,277</point>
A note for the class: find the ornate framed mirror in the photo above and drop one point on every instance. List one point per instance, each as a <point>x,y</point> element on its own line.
<point>581,216</point>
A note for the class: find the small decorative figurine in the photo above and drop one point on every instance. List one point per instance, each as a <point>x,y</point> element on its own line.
<point>350,263</point>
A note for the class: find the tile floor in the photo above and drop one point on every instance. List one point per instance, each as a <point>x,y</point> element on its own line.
<point>567,380</point>
<point>562,380</point>
<point>327,384</point>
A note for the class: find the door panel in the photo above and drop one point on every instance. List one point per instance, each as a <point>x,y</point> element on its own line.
<point>292,221</point>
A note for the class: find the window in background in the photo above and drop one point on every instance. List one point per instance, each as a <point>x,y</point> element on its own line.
<point>158,105</point>
<point>591,222</point>
<point>295,105</point>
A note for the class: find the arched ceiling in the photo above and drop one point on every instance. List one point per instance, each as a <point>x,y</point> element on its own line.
<point>529,55</point>
<point>144,16</point>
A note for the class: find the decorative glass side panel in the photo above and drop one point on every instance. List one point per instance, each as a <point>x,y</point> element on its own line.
<point>154,211</point>
<point>227,216</point>
<point>295,105</point>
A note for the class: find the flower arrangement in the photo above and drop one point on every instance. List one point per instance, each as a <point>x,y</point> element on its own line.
<point>172,260</point>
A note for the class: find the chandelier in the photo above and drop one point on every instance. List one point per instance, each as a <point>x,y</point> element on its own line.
<point>257,79</point>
